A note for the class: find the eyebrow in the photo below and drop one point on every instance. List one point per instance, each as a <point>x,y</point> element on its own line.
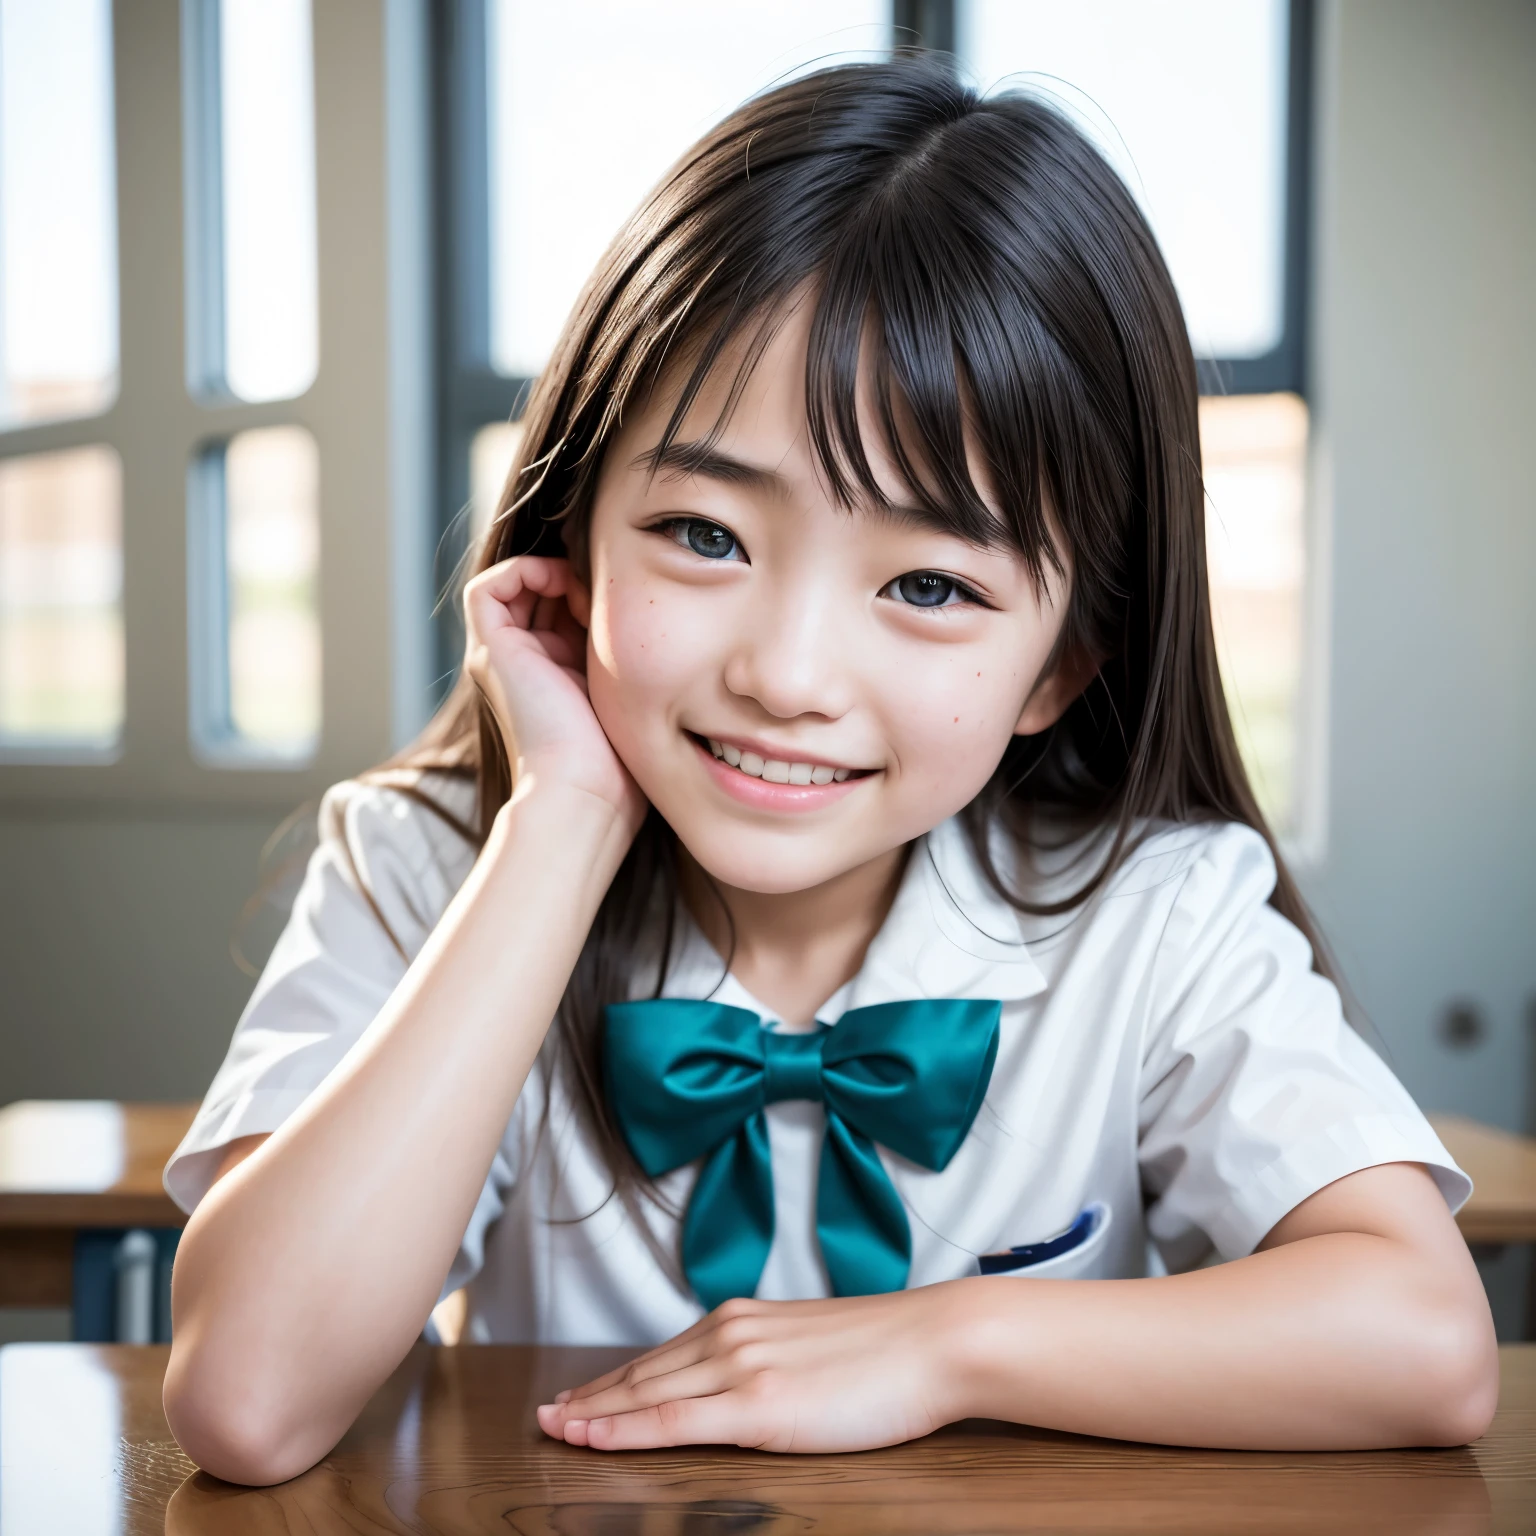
<point>714,464</point>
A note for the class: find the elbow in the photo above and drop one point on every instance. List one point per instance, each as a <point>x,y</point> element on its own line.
<point>233,1435</point>
<point>1458,1377</point>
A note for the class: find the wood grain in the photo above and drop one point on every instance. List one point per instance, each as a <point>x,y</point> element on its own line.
<point>449,1446</point>
<point>88,1163</point>
<point>1502,1167</point>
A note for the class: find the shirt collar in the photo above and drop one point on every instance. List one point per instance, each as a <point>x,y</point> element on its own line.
<point>948,934</point>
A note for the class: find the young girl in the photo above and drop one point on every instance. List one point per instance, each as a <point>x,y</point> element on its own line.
<point>841,764</point>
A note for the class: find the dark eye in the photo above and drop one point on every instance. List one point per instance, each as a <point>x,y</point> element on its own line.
<point>707,539</point>
<point>925,589</point>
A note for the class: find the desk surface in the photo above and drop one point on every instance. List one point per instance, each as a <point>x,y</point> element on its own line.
<point>449,1445</point>
<point>88,1163</point>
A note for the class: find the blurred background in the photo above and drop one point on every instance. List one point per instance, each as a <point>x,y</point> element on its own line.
<point>275,276</point>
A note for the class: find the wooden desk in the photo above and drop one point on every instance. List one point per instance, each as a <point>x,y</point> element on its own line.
<point>449,1445</point>
<point>68,1166</point>
<point>1502,1168</point>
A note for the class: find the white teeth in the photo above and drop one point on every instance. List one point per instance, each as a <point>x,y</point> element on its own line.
<point>775,770</point>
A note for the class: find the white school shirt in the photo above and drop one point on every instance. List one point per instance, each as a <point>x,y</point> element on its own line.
<point>1168,1064</point>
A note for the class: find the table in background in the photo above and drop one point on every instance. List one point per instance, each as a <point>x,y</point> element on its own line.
<point>75,1177</point>
<point>450,1445</point>
<point>1502,1167</point>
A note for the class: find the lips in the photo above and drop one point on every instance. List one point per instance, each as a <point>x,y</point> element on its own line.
<point>813,785</point>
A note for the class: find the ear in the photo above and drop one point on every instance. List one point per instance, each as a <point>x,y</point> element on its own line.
<point>1054,691</point>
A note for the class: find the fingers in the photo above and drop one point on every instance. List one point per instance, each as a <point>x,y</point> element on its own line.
<point>692,1344</point>
<point>515,591</point>
<point>701,1378</point>
<point>723,1419</point>
<point>672,1356</point>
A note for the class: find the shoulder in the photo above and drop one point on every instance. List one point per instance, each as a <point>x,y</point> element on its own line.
<point>396,845</point>
<point>1196,868</point>
<point>403,818</point>
<point>1175,874</point>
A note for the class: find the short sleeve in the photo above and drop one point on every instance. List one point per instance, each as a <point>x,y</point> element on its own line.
<point>385,870</point>
<point>1255,1091</point>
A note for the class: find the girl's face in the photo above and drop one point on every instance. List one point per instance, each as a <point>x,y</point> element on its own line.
<point>798,689</point>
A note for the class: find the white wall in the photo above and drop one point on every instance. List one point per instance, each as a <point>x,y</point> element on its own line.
<point>1424,374</point>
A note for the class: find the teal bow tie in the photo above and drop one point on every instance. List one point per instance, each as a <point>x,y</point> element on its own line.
<point>689,1079</point>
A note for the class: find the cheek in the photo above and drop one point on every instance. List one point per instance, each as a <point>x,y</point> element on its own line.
<point>951,713</point>
<point>646,650</point>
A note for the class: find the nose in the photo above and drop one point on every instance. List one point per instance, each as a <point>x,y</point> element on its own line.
<point>791,654</point>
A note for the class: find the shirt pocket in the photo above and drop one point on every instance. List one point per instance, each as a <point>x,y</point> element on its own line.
<point>1070,1255</point>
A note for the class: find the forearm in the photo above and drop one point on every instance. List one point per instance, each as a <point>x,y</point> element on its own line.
<point>307,1271</point>
<point>1338,1341</point>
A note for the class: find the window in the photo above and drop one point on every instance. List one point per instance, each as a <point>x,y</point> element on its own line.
<point>165,568</point>
<point>590,103</point>
<point>61,622</point>
<point>254,544</point>
<point>253,507</point>
<point>58,237</point>
<point>253,327</point>
<point>61,619</point>
<point>1149,84</point>
<point>1255,453</point>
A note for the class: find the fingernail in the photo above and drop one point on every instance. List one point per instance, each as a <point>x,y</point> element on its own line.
<point>563,1397</point>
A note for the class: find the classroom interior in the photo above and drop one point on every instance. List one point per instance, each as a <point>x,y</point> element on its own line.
<point>274,280</point>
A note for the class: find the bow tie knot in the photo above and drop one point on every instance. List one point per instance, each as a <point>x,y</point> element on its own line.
<point>792,1066</point>
<point>689,1080</point>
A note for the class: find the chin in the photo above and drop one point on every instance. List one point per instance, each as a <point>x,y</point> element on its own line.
<point>768,863</point>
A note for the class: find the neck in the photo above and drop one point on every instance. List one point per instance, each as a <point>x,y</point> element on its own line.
<point>794,950</point>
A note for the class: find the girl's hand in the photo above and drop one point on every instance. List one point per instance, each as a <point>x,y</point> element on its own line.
<point>842,1375</point>
<point>527,654</point>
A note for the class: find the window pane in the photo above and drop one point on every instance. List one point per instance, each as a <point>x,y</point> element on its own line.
<point>61,622</point>
<point>58,219</point>
<point>1255,453</point>
<point>490,457</point>
<point>1187,99</point>
<point>590,103</point>
<point>265,200</point>
<point>255,613</point>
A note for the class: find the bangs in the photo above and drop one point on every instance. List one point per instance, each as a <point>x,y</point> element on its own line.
<point>886,364</point>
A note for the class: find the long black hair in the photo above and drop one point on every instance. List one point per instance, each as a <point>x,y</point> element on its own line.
<point>978,259</point>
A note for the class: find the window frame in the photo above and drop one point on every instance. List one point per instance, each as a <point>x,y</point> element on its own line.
<point>367,409</point>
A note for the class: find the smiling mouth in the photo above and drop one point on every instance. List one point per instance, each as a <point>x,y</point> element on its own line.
<point>774,770</point>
